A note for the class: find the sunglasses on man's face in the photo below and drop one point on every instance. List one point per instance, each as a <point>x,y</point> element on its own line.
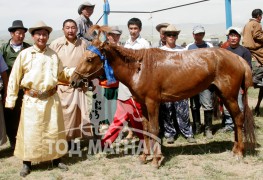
<point>169,35</point>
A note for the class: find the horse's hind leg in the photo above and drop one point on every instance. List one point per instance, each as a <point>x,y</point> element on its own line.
<point>260,96</point>
<point>238,148</point>
<point>238,118</point>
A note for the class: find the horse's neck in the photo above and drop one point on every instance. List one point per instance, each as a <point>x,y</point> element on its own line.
<point>129,55</point>
<point>124,63</point>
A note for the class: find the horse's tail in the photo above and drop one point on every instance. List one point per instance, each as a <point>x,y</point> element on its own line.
<point>249,123</point>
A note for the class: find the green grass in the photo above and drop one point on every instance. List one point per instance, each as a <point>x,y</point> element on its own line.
<point>208,159</point>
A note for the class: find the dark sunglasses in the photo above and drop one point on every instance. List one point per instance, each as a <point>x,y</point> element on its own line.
<point>169,35</point>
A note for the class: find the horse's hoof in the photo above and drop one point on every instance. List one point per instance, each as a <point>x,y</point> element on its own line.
<point>143,159</point>
<point>240,159</point>
<point>158,162</point>
<point>155,165</point>
<point>239,156</point>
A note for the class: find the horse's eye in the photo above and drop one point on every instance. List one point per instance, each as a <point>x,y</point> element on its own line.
<point>89,60</point>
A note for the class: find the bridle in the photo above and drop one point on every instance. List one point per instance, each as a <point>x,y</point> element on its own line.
<point>88,75</point>
<point>105,65</point>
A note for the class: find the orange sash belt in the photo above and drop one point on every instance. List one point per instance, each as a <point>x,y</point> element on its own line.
<point>40,94</point>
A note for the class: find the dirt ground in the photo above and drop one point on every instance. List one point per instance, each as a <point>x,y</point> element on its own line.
<point>207,159</point>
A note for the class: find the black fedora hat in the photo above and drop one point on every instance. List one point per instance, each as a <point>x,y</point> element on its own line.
<point>17,24</point>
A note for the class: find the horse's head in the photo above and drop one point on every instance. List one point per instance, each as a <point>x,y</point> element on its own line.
<point>92,61</point>
<point>90,66</point>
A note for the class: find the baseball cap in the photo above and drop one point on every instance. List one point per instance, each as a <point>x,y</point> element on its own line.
<point>198,29</point>
<point>236,29</point>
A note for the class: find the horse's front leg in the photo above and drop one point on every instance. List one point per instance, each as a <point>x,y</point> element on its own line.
<point>153,114</point>
<point>146,145</point>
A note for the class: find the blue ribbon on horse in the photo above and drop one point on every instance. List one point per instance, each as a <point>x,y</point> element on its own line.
<point>108,69</point>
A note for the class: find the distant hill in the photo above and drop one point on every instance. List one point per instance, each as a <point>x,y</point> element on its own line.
<point>149,33</point>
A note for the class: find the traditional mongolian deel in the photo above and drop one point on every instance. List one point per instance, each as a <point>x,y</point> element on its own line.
<point>44,140</point>
<point>76,103</point>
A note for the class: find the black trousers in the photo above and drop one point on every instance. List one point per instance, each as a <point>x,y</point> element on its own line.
<point>12,118</point>
<point>54,161</point>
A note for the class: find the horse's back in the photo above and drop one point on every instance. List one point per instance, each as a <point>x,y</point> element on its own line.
<point>223,59</point>
<point>180,71</point>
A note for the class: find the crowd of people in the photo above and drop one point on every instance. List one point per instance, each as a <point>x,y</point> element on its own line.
<point>39,108</point>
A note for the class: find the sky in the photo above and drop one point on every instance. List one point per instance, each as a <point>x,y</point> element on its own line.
<point>54,12</point>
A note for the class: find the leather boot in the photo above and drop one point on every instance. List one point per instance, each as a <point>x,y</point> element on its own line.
<point>26,168</point>
<point>208,124</point>
<point>60,165</point>
<point>196,121</point>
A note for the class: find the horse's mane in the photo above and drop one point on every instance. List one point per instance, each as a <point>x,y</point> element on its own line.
<point>131,55</point>
<point>148,56</point>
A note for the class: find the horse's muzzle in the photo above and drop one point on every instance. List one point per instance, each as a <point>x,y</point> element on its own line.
<point>73,84</point>
<point>76,81</point>
<point>80,83</point>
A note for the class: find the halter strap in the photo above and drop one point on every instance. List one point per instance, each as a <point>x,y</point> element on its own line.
<point>108,69</point>
<point>96,51</point>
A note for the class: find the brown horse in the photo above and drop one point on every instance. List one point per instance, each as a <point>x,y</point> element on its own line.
<point>154,76</point>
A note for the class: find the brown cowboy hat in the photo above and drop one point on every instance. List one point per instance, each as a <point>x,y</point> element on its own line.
<point>40,25</point>
<point>159,26</point>
<point>83,5</point>
<point>17,24</point>
<point>171,28</point>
